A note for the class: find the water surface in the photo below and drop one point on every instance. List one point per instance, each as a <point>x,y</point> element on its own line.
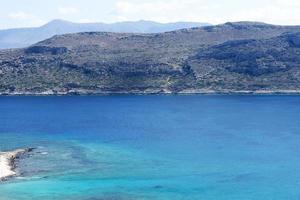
<point>153,147</point>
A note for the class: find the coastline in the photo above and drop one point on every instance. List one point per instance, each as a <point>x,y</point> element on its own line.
<point>155,92</point>
<point>8,162</point>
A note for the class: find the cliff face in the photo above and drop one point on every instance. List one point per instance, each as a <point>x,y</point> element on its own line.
<point>225,58</point>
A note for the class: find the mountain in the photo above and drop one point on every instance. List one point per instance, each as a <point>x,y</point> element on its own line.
<point>230,58</point>
<point>23,37</point>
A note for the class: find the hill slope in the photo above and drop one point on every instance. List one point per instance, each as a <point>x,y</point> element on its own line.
<point>250,65</point>
<point>23,37</point>
<point>234,57</point>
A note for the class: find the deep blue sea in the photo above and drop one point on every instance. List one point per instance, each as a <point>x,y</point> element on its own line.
<point>153,147</point>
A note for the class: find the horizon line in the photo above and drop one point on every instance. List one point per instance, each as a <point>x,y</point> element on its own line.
<point>143,20</point>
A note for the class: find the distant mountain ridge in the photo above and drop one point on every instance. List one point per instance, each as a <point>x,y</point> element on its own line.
<point>23,37</point>
<point>242,57</point>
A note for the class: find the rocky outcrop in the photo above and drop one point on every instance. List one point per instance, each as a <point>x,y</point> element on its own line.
<point>8,162</point>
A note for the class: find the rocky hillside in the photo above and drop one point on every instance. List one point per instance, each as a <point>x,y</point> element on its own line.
<point>229,58</point>
<point>267,64</point>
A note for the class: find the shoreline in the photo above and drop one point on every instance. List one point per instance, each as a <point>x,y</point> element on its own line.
<point>8,162</point>
<point>155,92</point>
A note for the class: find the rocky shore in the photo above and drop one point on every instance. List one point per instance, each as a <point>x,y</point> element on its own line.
<point>154,92</point>
<point>8,162</point>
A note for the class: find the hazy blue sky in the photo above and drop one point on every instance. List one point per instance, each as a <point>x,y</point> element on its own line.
<point>22,13</point>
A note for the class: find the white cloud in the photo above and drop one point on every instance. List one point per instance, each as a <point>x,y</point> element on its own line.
<point>279,12</point>
<point>26,19</point>
<point>213,11</point>
<point>66,10</point>
<point>288,3</point>
<point>21,15</point>
<point>161,10</point>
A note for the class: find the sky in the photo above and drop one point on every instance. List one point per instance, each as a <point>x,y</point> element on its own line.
<point>30,13</point>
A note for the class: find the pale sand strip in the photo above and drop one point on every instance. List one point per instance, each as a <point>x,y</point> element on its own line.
<point>7,162</point>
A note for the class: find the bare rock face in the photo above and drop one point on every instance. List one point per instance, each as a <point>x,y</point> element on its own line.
<point>233,57</point>
<point>8,162</point>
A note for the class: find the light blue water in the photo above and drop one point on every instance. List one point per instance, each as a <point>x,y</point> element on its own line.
<point>153,147</point>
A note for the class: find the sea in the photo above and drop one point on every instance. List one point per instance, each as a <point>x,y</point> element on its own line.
<point>155,147</point>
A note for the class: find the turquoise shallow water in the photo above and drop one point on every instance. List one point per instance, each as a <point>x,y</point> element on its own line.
<point>153,147</point>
